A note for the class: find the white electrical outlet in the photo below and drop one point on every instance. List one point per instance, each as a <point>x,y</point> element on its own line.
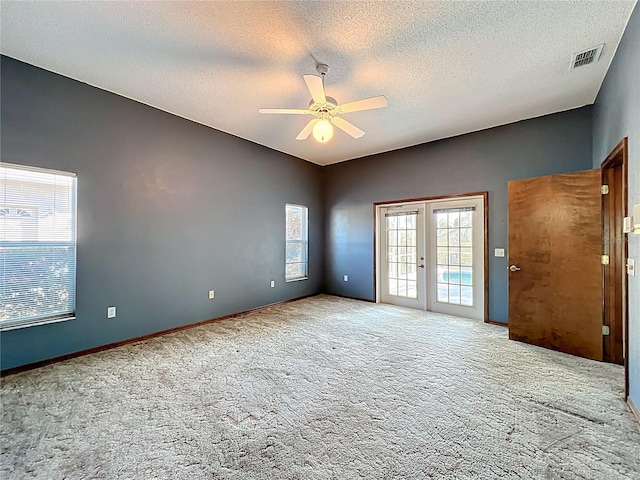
<point>273,283</point>
<point>499,252</point>
<point>212,294</point>
<point>111,312</point>
<point>346,278</point>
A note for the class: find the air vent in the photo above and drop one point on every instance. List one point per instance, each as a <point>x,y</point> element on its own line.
<point>587,57</point>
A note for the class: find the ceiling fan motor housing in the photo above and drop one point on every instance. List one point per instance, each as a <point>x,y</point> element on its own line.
<point>328,106</point>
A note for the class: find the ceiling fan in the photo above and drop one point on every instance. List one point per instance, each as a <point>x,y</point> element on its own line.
<point>326,110</point>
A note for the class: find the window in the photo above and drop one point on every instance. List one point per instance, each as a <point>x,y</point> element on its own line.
<point>37,246</point>
<point>297,243</point>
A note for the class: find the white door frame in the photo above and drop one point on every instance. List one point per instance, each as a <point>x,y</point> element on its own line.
<point>482,275</point>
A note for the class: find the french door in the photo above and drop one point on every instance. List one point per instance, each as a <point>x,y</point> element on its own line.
<point>402,255</point>
<point>456,257</point>
<point>431,256</point>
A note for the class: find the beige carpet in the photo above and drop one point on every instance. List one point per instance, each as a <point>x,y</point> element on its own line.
<point>322,388</point>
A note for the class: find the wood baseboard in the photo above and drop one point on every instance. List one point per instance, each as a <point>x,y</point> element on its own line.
<point>495,322</point>
<point>109,346</point>
<point>634,409</point>
<point>352,298</point>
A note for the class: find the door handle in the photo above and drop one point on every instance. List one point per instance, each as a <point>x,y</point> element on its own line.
<point>514,268</point>
<point>421,266</point>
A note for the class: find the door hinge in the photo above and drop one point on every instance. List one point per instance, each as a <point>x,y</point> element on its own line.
<point>604,189</point>
<point>604,259</point>
<point>605,330</point>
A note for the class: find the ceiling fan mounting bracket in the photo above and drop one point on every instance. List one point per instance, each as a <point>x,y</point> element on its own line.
<point>322,69</point>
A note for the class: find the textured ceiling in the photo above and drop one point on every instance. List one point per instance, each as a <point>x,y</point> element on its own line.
<point>446,68</point>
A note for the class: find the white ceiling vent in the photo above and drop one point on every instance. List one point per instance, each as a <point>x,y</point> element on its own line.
<point>586,57</point>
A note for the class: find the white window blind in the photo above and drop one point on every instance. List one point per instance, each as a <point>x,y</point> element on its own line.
<point>297,243</point>
<point>37,245</point>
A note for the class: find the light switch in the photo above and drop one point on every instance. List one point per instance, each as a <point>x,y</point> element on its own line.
<point>499,252</point>
<point>631,267</point>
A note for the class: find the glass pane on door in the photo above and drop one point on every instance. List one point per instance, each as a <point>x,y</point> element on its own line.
<point>454,243</point>
<point>402,254</point>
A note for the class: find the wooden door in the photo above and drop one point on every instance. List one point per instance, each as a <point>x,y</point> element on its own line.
<point>555,280</point>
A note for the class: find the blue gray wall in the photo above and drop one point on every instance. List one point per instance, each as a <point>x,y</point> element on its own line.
<point>167,210</point>
<point>482,161</point>
<point>616,115</point>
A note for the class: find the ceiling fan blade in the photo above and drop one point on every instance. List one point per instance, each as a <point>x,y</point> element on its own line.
<point>289,111</point>
<point>306,131</point>
<point>316,88</point>
<point>350,128</point>
<point>366,104</point>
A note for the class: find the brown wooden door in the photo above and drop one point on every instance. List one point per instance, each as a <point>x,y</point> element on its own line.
<point>555,299</point>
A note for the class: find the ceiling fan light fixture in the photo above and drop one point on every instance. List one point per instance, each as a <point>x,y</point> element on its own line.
<point>323,130</point>
<point>327,111</point>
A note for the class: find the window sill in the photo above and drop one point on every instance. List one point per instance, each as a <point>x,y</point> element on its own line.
<point>296,279</point>
<point>33,323</point>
